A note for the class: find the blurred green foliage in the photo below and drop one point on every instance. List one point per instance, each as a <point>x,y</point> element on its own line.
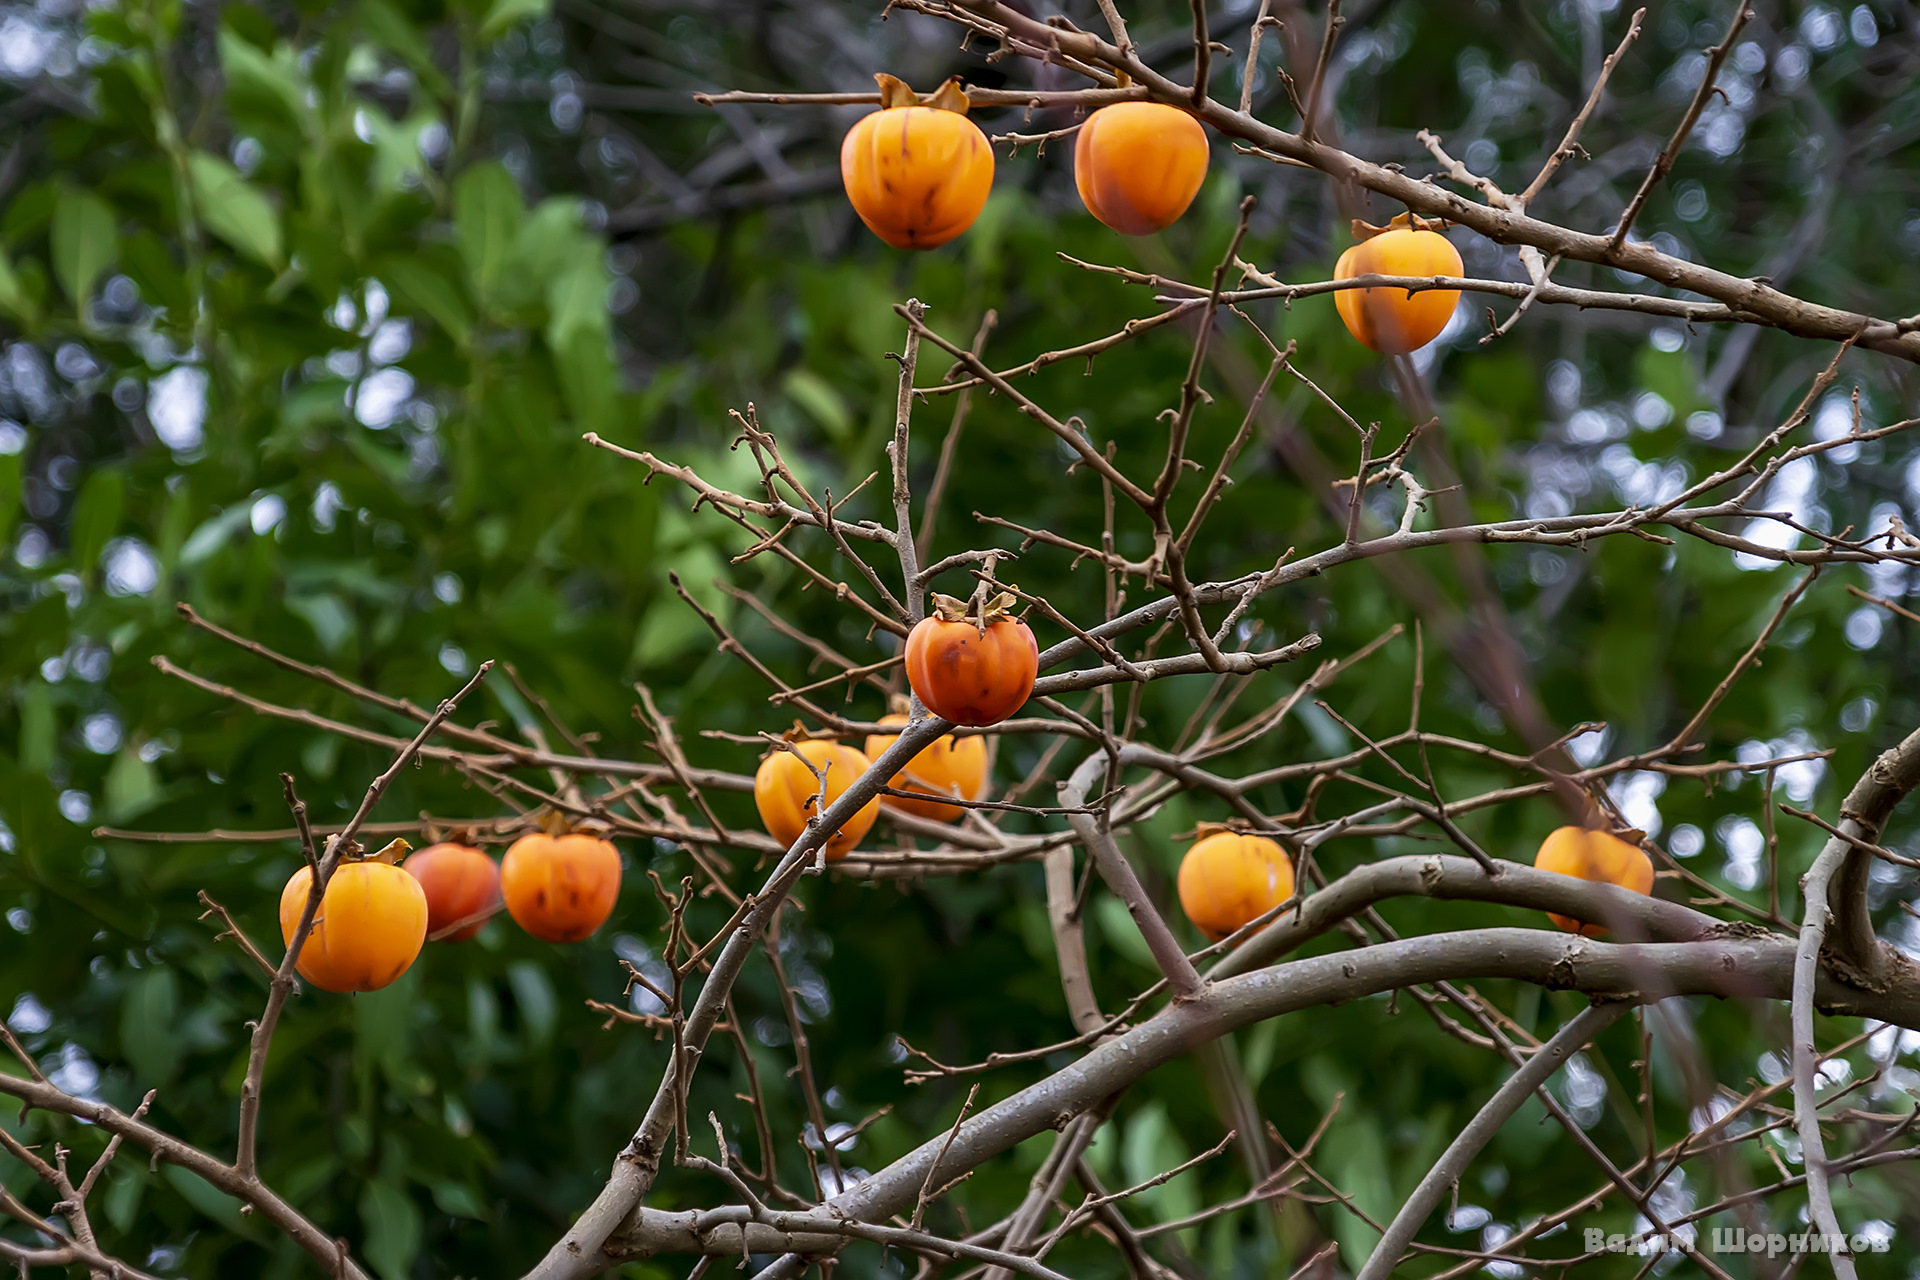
<point>305,309</point>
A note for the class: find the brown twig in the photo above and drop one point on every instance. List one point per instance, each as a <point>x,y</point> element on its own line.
<point>1716,57</point>
<point>231,930</point>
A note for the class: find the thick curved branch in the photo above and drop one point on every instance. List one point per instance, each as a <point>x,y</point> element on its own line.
<point>1506,1100</point>
<point>1835,890</point>
<point>1759,968</point>
<point>1862,816</point>
<point>1097,835</point>
<point>1806,1109</point>
<point>1070,943</point>
<point>1630,915</point>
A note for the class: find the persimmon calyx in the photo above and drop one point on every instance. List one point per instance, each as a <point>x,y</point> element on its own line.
<point>949,97</point>
<point>799,733</point>
<point>391,854</point>
<point>1232,826</point>
<point>555,823</point>
<point>899,704</point>
<point>895,92</point>
<point>1595,817</point>
<point>1409,221</point>
<point>990,611</point>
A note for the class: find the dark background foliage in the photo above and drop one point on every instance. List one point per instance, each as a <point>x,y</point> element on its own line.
<point>306,307</point>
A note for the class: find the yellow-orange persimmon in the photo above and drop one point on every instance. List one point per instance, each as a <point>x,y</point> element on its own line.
<point>461,884</point>
<point>368,929</point>
<point>1395,321</point>
<point>949,766</point>
<point>1229,878</point>
<point>1139,164</point>
<point>560,888</point>
<point>785,790</point>
<point>917,175</point>
<point>1597,856</point>
<point>973,668</point>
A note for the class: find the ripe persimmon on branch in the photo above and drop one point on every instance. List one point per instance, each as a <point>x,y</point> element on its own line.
<point>979,672</point>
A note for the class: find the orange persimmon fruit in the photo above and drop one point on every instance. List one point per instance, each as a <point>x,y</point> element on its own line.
<point>1598,856</point>
<point>1139,164</point>
<point>973,669</point>
<point>461,884</point>
<point>918,175</point>
<point>367,930</point>
<point>949,766</point>
<point>1231,877</point>
<point>785,791</point>
<point>1394,321</point>
<point>560,888</point>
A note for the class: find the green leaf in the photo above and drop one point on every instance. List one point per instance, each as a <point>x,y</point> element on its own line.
<point>36,728</point>
<point>213,1202</point>
<point>329,617</point>
<point>257,80</point>
<point>1358,1156</point>
<point>419,289</point>
<point>486,219</point>
<point>398,164</point>
<point>132,787</point>
<point>149,263</point>
<point>587,376</point>
<point>458,1200</point>
<point>234,209</point>
<point>550,234</point>
<point>124,1186</point>
<point>29,213</point>
<point>1258,1056</point>
<point>483,1017</point>
<point>667,634</point>
<point>389,27</point>
<point>503,14</point>
<point>9,494</point>
<point>380,1020</point>
<point>390,464</point>
<point>533,993</point>
<point>577,297</point>
<point>149,1017</point>
<point>578,336</point>
<point>305,1179</point>
<point>1153,1144</point>
<point>174,519</point>
<point>392,1221</point>
<point>1670,375</point>
<point>822,402</point>
<point>96,517</point>
<point>321,755</point>
<point>13,295</point>
<point>84,243</point>
<point>214,533</point>
<point>1121,933</point>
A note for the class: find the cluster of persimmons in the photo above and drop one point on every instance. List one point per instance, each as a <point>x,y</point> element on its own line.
<point>377,912</point>
<point>918,174</point>
<point>973,664</point>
